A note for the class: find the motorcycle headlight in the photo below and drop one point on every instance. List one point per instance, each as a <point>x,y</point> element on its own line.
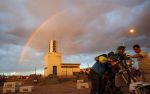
<point>129,63</point>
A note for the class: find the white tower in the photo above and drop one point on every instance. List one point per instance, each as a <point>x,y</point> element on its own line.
<point>53,60</point>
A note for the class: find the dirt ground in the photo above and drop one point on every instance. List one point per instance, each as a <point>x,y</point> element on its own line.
<point>63,88</point>
<point>68,87</point>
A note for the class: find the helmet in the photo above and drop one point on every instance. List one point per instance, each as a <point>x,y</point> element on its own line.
<point>102,59</point>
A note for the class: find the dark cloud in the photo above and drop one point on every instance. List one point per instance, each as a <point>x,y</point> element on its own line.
<point>93,32</point>
<point>9,39</point>
<point>143,21</point>
<point>85,27</point>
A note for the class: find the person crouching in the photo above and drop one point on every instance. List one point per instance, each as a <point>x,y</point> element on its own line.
<point>96,75</point>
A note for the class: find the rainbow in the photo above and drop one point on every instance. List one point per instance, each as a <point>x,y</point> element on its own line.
<point>29,41</point>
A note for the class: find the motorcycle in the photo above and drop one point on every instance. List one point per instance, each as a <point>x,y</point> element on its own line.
<point>135,87</point>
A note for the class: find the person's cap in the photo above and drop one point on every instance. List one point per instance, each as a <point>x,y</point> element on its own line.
<point>97,57</point>
<point>102,58</point>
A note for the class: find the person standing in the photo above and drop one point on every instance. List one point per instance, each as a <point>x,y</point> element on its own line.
<point>144,62</point>
<point>121,57</point>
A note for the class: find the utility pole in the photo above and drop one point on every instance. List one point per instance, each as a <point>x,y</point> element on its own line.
<point>35,70</point>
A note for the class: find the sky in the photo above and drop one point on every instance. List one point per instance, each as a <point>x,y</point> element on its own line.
<point>82,28</point>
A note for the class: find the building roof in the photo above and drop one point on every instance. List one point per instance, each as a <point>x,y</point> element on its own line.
<point>70,64</point>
